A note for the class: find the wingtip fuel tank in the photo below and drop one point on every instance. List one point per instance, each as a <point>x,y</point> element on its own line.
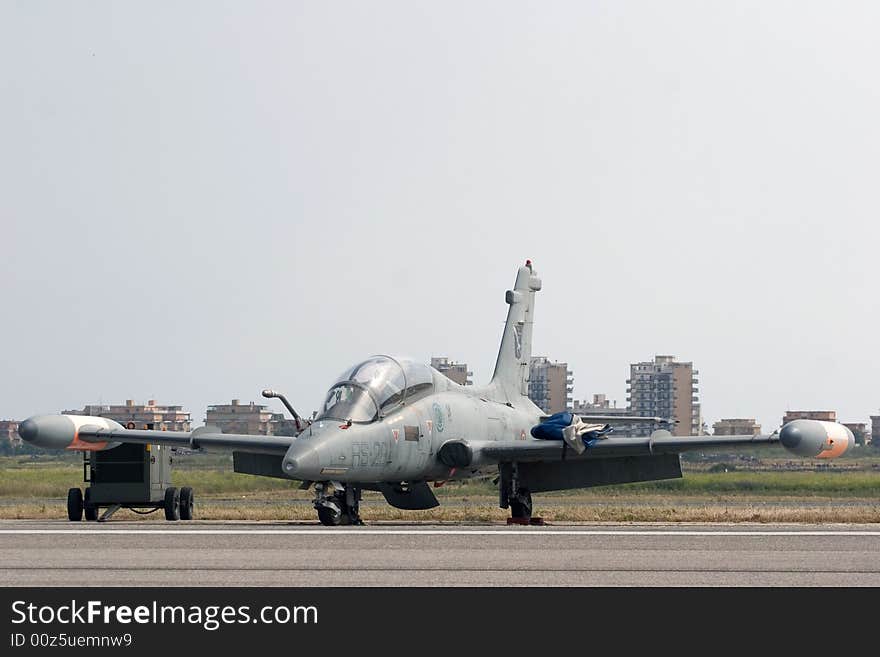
<point>62,431</point>
<point>816,438</point>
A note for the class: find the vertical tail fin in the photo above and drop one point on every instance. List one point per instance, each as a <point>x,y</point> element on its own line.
<point>514,356</point>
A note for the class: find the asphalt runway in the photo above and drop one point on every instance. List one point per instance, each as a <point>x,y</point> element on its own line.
<point>59,553</point>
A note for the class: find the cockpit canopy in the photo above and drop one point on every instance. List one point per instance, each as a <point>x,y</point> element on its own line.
<point>371,389</point>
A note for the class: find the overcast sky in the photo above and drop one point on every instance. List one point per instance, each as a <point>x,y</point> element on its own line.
<point>202,199</point>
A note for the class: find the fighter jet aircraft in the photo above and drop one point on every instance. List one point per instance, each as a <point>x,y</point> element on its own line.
<point>394,425</point>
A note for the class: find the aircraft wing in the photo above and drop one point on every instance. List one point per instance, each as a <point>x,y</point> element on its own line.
<point>198,439</point>
<point>487,452</point>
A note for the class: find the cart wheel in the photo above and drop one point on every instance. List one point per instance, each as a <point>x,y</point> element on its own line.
<point>186,503</point>
<point>90,509</point>
<point>172,503</point>
<point>74,505</point>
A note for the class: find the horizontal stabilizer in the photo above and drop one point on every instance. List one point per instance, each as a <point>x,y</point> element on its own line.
<point>629,419</point>
<point>208,428</point>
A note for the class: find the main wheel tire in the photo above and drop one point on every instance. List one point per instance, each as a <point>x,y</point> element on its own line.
<point>74,505</point>
<point>172,503</point>
<point>521,508</point>
<point>186,503</point>
<point>91,511</point>
<point>330,517</point>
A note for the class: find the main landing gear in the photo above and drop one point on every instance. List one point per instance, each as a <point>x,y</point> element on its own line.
<point>337,504</point>
<point>521,504</point>
<point>518,498</point>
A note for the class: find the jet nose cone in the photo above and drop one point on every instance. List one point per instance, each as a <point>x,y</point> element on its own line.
<point>791,435</point>
<point>28,430</point>
<point>301,462</point>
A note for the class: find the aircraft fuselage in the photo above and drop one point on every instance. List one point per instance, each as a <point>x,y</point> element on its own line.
<point>403,445</point>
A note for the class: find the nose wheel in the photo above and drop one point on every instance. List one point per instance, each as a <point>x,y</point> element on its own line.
<point>337,505</point>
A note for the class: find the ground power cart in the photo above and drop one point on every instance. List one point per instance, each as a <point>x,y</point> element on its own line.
<point>136,477</point>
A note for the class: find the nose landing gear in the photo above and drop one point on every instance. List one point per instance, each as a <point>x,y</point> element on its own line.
<point>337,504</point>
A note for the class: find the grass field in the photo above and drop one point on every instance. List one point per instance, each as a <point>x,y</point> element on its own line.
<point>52,479</point>
<point>489,512</point>
<point>34,488</point>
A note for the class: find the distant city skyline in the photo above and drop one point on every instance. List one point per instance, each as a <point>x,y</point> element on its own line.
<point>460,373</point>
